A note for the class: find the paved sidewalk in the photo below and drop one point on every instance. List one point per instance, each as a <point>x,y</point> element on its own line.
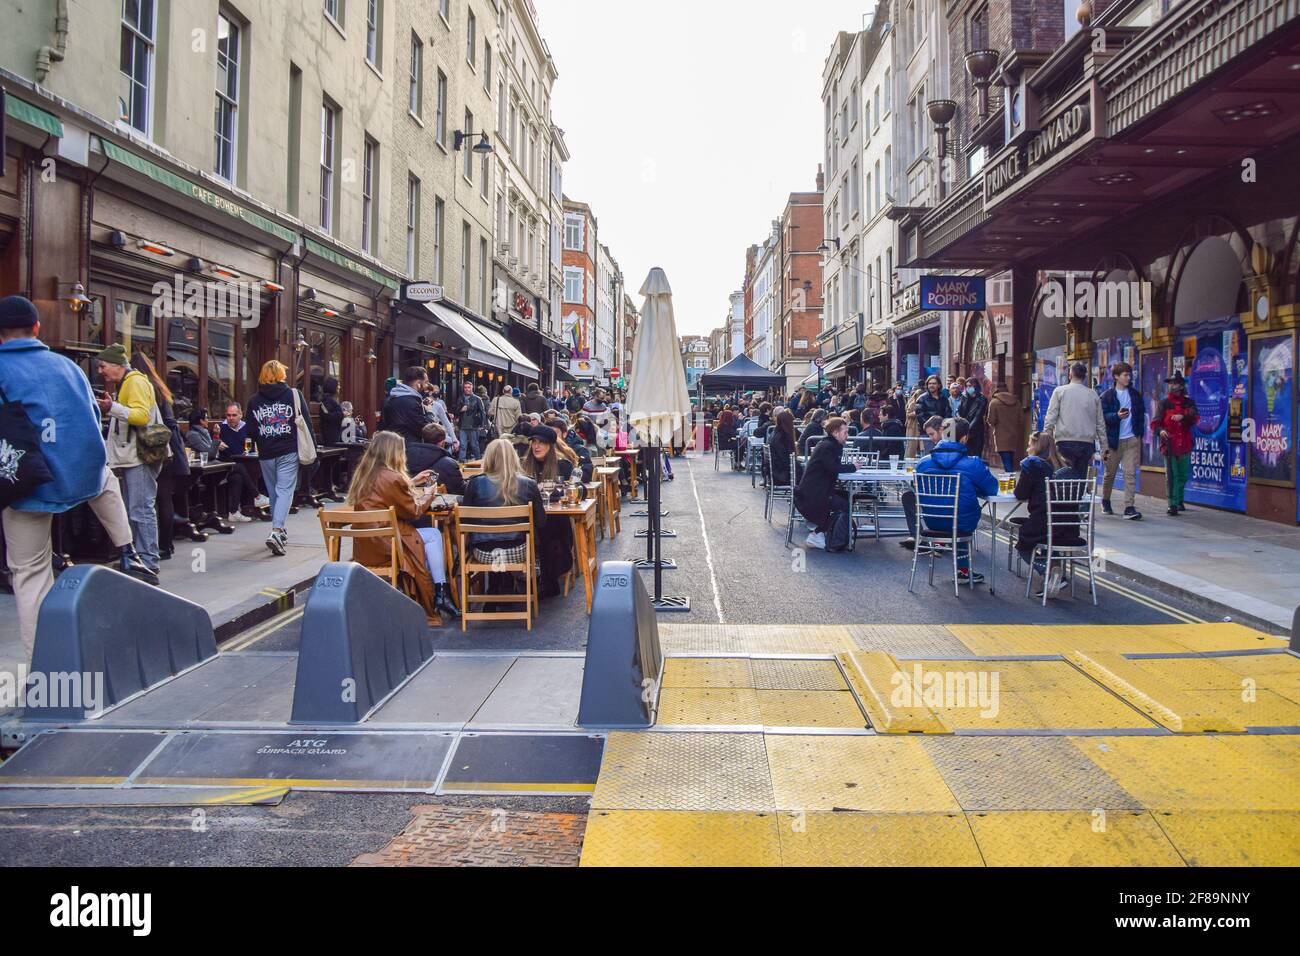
<point>229,574</point>
<point>1232,565</point>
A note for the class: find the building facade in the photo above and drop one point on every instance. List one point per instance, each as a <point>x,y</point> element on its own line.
<point>800,287</point>
<point>578,294</point>
<point>696,353</point>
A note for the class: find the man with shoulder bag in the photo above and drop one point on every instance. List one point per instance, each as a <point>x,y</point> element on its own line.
<point>62,427</point>
<point>138,445</point>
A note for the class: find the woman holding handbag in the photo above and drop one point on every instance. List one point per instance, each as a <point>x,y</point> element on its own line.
<point>281,427</point>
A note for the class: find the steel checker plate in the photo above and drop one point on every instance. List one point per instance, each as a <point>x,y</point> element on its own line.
<point>685,639</point>
<point>1078,838</point>
<point>707,672</point>
<point>78,758</point>
<point>797,675</point>
<point>877,839</point>
<point>1202,772</point>
<point>868,773</point>
<point>998,639</point>
<point>810,708</point>
<point>684,771</point>
<point>702,706</point>
<point>908,640</point>
<point>674,838</point>
<point>1234,838</point>
<point>1024,773</point>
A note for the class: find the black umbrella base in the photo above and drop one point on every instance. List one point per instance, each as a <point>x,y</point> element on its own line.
<point>645,533</point>
<point>669,605</point>
<point>644,565</point>
<point>646,514</point>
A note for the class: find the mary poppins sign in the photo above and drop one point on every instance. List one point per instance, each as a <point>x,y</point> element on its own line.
<point>952,293</point>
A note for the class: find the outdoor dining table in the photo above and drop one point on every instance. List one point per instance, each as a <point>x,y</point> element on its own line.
<point>611,476</point>
<point>632,455</point>
<point>209,475</point>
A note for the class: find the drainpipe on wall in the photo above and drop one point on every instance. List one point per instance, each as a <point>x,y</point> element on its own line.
<point>47,56</point>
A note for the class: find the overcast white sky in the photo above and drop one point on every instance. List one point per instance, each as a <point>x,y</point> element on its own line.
<point>690,122</point>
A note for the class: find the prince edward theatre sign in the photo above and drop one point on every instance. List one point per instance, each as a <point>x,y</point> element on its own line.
<point>1023,161</point>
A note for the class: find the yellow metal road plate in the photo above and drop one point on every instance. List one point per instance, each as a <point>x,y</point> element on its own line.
<point>797,675</point>
<point>867,773</point>
<point>684,771</point>
<point>877,678</point>
<point>1072,838</point>
<point>686,639</point>
<point>707,672</point>
<point>702,706</point>
<point>1149,692</point>
<point>810,708</point>
<point>1233,838</point>
<point>676,838</point>
<point>1003,639</point>
<point>1246,772</point>
<point>877,839</point>
<point>1250,691</point>
<point>908,640</point>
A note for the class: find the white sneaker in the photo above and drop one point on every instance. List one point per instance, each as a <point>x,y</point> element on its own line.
<point>816,539</point>
<point>238,518</point>
<point>261,501</point>
<point>1056,585</point>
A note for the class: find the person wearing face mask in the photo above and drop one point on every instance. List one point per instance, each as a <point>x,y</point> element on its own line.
<point>974,408</point>
<point>955,388</point>
<point>1175,418</point>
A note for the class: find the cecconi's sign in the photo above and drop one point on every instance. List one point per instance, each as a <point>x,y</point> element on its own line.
<point>1022,161</point>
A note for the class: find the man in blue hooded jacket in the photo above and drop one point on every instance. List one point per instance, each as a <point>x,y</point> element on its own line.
<point>950,458</point>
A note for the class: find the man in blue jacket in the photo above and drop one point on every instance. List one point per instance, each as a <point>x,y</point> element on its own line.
<point>1126,421</point>
<point>950,458</point>
<point>57,398</point>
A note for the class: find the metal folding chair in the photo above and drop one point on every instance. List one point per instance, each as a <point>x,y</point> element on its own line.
<point>1071,507</point>
<point>776,492</point>
<point>937,498</point>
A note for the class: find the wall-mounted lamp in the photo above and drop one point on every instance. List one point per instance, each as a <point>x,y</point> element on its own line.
<point>117,239</point>
<point>826,248</point>
<point>157,248</point>
<point>76,297</point>
<point>329,313</point>
<point>941,113</point>
<point>273,287</point>
<point>371,357</point>
<point>226,273</point>
<point>482,146</point>
<point>449,368</point>
<point>301,344</point>
<point>980,64</point>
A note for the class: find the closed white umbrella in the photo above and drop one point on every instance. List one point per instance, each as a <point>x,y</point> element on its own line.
<point>658,404</point>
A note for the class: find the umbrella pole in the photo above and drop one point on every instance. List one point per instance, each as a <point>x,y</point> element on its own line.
<point>653,478</point>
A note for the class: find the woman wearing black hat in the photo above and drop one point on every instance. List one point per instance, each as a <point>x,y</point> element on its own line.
<point>555,541</point>
<point>1174,420</point>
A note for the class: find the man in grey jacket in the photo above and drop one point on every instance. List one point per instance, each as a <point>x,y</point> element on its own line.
<point>1075,420</point>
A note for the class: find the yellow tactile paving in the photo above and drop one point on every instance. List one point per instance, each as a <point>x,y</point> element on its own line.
<point>676,838</point>
<point>1233,837</point>
<point>1021,639</point>
<point>707,672</point>
<point>877,839</point>
<point>1244,772</point>
<point>1279,673</point>
<point>702,706</point>
<point>797,675</point>
<point>810,708</point>
<point>684,771</point>
<point>1164,702</point>
<point>1254,691</point>
<point>1072,838</point>
<point>871,774</point>
<point>876,677</point>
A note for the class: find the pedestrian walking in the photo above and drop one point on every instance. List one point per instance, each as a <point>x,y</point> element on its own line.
<point>278,417</point>
<point>471,416</point>
<point>55,395</point>
<point>506,410</point>
<point>1075,420</point>
<point>1125,417</point>
<point>1175,417</point>
<point>1004,417</point>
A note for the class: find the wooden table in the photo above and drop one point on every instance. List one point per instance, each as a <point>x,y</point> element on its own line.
<point>583,516</point>
<point>611,475</point>
<point>631,454</point>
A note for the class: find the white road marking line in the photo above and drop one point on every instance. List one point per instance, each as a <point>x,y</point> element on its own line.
<point>708,551</point>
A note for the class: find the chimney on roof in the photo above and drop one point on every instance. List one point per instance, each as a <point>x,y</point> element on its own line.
<point>821,179</point>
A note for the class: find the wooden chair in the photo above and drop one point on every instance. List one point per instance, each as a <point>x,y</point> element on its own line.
<point>472,520</point>
<point>337,524</point>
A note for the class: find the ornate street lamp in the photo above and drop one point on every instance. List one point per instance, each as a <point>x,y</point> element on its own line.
<point>980,64</point>
<point>941,113</point>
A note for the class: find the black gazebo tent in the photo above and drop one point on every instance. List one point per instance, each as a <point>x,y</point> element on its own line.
<point>742,373</point>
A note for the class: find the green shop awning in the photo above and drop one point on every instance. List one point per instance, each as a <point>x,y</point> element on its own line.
<point>360,268</point>
<point>33,116</point>
<point>193,190</point>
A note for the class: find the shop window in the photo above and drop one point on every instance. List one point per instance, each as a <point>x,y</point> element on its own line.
<point>133,327</point>
<point>221,366</point>
<point>183,363</point>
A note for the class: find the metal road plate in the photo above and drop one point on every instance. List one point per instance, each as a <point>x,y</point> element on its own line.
<point>659,838</point>
<point>78,758</point>
<point>797,675</point>
<point>268,700</point>
<point>1072,838</point>
<point>877,839</point>
<point>874,677</point>
<point>1219,636</point>
<point>685,639</point>
<point>810,708</point>
<point>908,640</point>
<point>684,771</point>
<point>33,798</point>
<point>1021,639</point>
<point>307,760</point>
<point>1024,773</point>
<point>1166,703</point>
<point>1279,673</point>
<point>704,706</point>
<point>1233,838</point>
<point>449,690</point>
<point>872,774</point>
<point>1251,696</point>
<point>1244,772</point>
<point>707,672</point>
<point>536,691</point>
<point>179,701</point>
<point>523,763</point>
<point>1265,709</point>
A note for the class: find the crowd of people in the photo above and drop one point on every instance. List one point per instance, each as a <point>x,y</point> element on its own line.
<point>956,429</point>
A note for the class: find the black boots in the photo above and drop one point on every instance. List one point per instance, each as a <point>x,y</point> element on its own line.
<point>130,563</point>
<point>443,603</point>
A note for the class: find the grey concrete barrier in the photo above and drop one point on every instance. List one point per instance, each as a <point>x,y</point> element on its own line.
<point>620,681</point>
<point>115,637</point>
<point>1295,631</point>
<point>361,638</point>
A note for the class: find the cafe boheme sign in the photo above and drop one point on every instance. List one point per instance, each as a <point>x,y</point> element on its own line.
<point>1022,160</point>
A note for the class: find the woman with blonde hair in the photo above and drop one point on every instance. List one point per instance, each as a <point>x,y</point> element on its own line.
<point>380,482</point>
<point>273,414</point>
<point>503,484</point>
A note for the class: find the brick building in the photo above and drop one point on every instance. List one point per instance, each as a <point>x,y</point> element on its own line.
<point>800,288</point>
